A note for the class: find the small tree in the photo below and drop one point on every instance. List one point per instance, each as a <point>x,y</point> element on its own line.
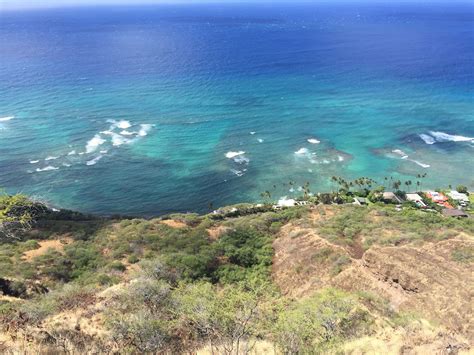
<point>17,214</point>
<point>461,189</point>
<point>229,320</point>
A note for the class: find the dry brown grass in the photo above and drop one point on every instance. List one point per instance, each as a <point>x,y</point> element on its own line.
<point>173,223</point>
<point>44,246</point>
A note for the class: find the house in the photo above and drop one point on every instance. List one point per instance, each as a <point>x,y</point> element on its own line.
<point>416,199</point>
<point>284,202</point>
<point>450,212</point>
<point>439,198</point>
<point>360,201</point>
<point>390,197</point>
<point>461,198</point>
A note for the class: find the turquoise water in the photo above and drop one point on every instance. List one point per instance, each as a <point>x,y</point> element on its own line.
<point>150,110</point>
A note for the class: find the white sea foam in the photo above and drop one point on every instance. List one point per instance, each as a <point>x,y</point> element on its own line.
<point>5,119</point>
<point>404,156</point>
<point>401,153</point>
<point>48,168</point>
<point>94,143</point>
<point>118,140</point>
<point>231,155</point>
<point>72,152</point>
<point>340,158</point>
<point>445,137</point>
<point>313,141</point>
<point>94,161</point>
<point>302,151</point>
<point>122,124</point>
<point>144,129</point>
<point>126,133</point>
<point>50,158</point>
<point>67,165</point>
<point>427,138</point>
<point>34,161</point>
<point>260,140</point>
<point>103,151</point>
<point>241,159</point>
<point>237,172</point>
<point>423,165</point>
<point>310,170</point>
<point>252,133</point>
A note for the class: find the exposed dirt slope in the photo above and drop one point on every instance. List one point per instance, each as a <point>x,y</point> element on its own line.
<point>424,279</point>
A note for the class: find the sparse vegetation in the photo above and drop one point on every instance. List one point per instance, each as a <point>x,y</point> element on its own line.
<point>171,286</point>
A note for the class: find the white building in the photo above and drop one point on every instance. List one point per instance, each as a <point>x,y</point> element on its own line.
<point>286,202</point>
<point>415,198</point>
<point>457,196</point>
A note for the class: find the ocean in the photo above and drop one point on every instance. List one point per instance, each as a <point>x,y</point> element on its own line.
<point>172,108</point>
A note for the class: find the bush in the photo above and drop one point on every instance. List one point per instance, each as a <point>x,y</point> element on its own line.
<point>133,259</point>
<point>118,266</point>
<point>248,253</point>
<point>461,189</point>
<point>463,255</point>
<point>319,324</point>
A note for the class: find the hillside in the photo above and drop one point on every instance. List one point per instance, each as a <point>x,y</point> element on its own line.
<point>302,280</point>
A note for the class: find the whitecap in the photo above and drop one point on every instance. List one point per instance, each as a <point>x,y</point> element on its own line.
<point>66,165</point>
<point>241,159</point>
<point>5,119</point>
<point>94,161</point>
<point>118,140</point>
<point>50,158</point>
<point>260,140</point>
<point>310,170</point>
<point>126,133</point>
<point>427,138</point>
<point>231,155</point>
<point>252,133</point>
<point>237,172</point>
<point>94,143</point>
<point>103,151</point>
<point>144,129</point>
<point>423,165</point>
<point>401,153</point>
<point>340,158</point>
<point>34,161</point>
<point>445,137</point>
<point>48,168</point>
<point>122,124</point>
<point>313,141</point>
<point>302,151</point>
<point>72,152</point>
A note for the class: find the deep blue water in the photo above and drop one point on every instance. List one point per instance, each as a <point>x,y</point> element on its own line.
<point>149,110</point>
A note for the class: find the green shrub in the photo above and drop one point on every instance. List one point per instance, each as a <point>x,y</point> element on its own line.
<point>461,189</point>
<point>463,255</point>
<point>118,266</point>
<point>133,259</point>
<point>320,324</point>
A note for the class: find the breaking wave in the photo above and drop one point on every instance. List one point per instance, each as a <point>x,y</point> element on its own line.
<point>48,168</point>
<point>231,155</point>
<point>436,136</point>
